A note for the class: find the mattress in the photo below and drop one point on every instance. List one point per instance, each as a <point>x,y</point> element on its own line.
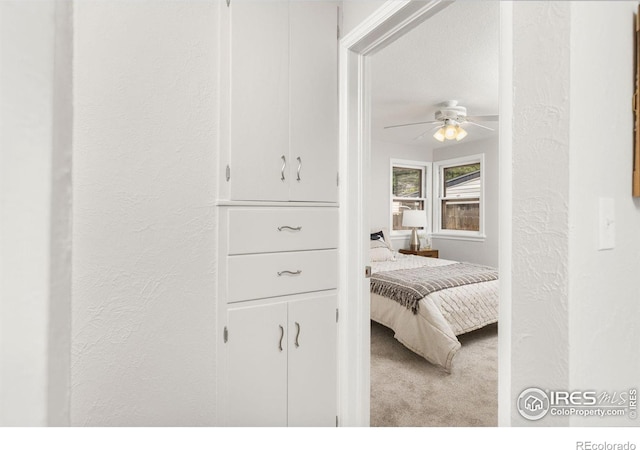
<point>442,316</point>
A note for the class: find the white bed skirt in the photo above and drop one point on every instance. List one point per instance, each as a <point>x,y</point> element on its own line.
<point>431,333</point>
<point>426,334</point>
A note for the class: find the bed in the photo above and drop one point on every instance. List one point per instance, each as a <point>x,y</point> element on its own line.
<point>431,327</point>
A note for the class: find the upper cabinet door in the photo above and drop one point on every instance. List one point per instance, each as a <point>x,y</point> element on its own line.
<point>313,82</point>
<point>259,100</point>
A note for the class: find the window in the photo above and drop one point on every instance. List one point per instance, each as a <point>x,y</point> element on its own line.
<point>458,209</point>
<point>408,190</point>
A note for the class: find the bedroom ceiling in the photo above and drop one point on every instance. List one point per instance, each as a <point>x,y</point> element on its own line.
<point>452,56</point>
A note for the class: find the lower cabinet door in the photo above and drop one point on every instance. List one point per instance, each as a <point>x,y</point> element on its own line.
<point>313,362</point>
<point>257,365</point>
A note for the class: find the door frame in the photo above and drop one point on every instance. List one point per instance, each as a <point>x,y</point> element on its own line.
<point>391,21</point>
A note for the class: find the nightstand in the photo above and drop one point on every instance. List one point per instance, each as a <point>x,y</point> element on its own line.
<point>427,253</point>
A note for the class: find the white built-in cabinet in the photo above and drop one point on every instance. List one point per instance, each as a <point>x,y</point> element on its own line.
<point>278,314</point>
<point>280,106</point>
<point>282,363</point>
<point>277,214</point>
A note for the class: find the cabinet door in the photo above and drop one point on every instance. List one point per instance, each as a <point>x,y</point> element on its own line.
<point>257,362</point>
<point>312,362</point>
<point>259,123</point>
<point>314,101</point>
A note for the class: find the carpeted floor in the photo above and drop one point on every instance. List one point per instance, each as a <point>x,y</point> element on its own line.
<point>408,391</point>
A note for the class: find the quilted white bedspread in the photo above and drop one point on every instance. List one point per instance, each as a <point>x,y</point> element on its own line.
<point>441,316</point>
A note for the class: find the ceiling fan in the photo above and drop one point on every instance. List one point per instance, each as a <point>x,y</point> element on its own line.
<point>449,119</point>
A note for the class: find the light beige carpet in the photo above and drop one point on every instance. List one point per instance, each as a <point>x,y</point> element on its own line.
<point>408,391</point>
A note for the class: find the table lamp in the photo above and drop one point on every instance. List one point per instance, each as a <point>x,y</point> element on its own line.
<point>414,219</point>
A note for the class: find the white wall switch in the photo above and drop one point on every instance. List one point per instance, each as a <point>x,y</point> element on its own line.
<point>606,224</point>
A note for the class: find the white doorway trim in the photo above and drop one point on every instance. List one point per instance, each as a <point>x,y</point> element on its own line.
<point>505,199</point>
<point>388,23</point>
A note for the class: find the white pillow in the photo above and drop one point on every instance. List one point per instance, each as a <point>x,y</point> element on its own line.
<point>385,233</point>
<point>385,236</point>
<point>381,254</point>
<point>379,243</point>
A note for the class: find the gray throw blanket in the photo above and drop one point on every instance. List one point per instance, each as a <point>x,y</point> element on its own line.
<point>408,287</point>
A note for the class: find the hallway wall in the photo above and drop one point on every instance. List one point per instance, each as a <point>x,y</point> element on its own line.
<point>604,305</point>
<point>35,278</point>
<point>144,250</point>
<point>575,310</point>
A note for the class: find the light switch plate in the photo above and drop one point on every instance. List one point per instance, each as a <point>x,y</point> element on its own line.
<point>606,224</point>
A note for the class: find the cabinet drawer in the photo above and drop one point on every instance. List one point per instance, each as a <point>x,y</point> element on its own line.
<point>267,230</point>
<point>273,274</point>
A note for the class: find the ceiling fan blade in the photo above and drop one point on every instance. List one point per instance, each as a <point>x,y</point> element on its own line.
<point>487,118</point>
<point>415,123</point>
<point>417,138</point>
<point>478,125</point>
<point>420,136</point>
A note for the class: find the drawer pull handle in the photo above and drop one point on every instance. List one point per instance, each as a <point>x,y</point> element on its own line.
<point>287,227</point>
<point>288,272</point>
<point>281,336</point>
<point>299,167</point>
<point>297,334</point>
<point>284,166</point>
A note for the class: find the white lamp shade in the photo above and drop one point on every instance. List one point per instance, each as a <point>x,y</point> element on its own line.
<point>414,218</point>
<point>450,132</point>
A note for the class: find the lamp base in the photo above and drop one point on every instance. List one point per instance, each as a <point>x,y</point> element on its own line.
<point>414,245</point>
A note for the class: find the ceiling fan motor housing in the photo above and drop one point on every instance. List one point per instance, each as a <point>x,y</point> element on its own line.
<point>457,113</point>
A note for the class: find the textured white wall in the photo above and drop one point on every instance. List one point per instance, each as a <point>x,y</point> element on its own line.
<point>485,252</point>
<point>35,283</point>
<point>540,223</point>
<point>144,245</point>
<point>381,155</point>
<point>604,304</point>
<point>575,309</point>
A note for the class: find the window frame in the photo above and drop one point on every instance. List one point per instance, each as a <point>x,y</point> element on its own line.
<point>438,199</point>
<point>427,191</point>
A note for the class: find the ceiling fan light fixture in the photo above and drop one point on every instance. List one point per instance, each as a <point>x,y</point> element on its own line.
<point>461,133</point>
<point>450,132</point>
<point>449,119</point>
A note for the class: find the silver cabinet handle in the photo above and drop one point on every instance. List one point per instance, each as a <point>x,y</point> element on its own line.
<point>288,272</point>
<point>284,166</point>
<point>299,167</point>
<point>287,227</point>
<point>281,336</point>
<point>297,334</point>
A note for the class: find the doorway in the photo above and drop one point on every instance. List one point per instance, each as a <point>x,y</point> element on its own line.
<point>387,24</point>
<point>413,84</point>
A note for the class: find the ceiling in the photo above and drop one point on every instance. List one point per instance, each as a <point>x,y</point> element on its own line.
<point>452,56</point>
